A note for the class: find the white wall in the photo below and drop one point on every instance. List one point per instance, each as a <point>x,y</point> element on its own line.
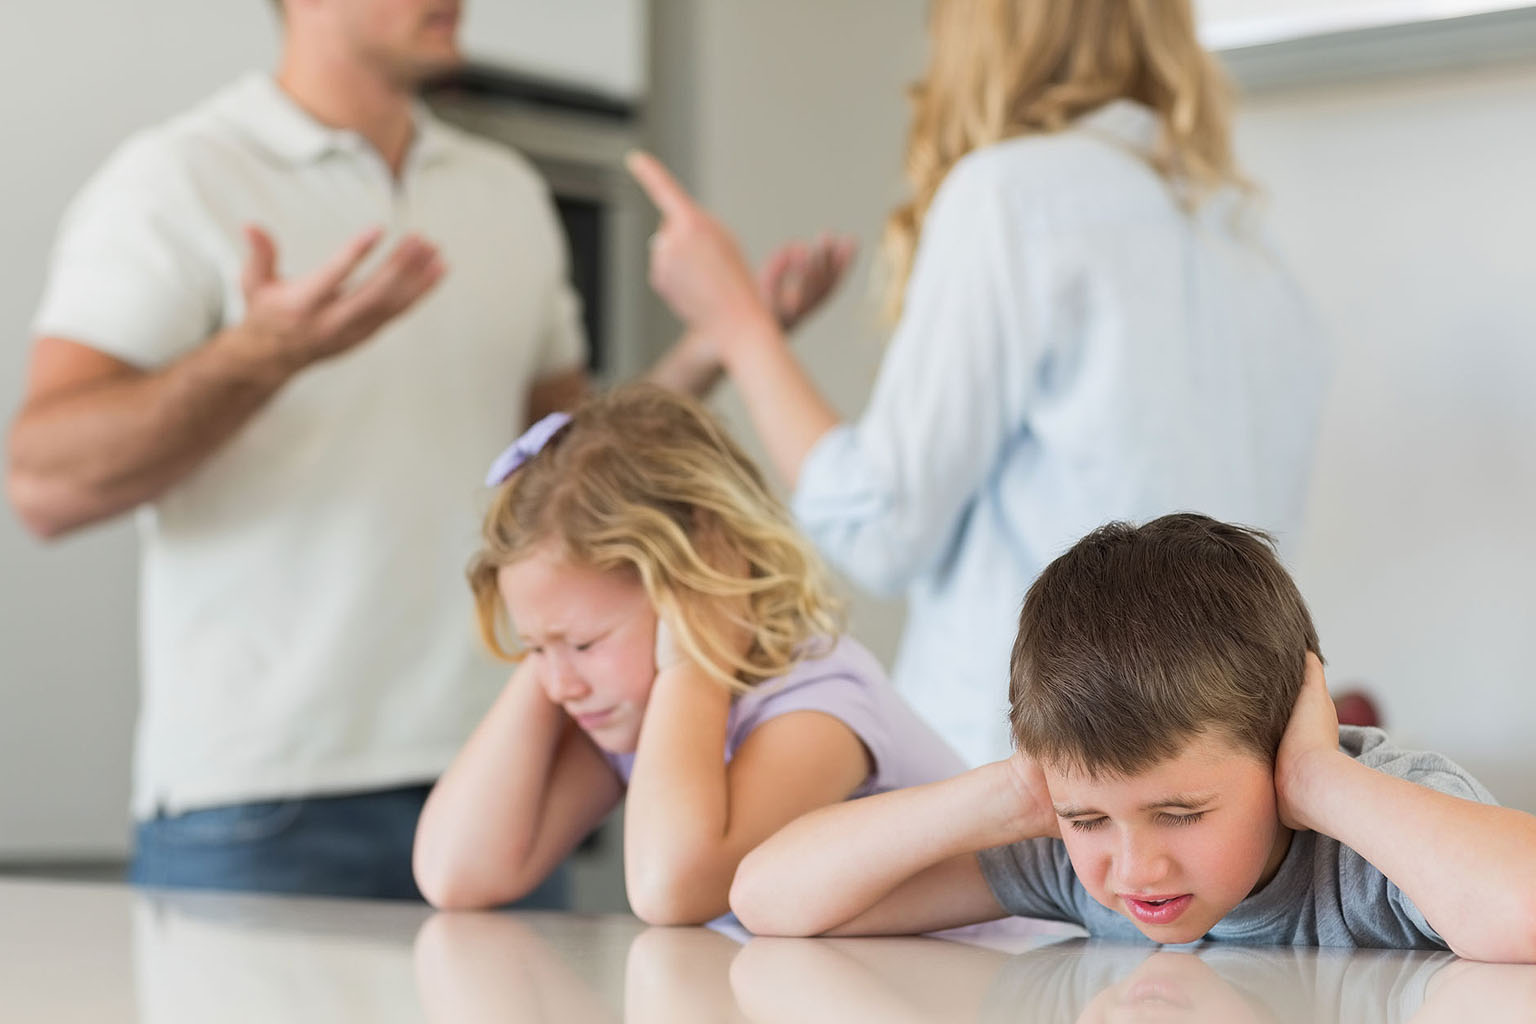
<point>76,76</point>
<point>1408,210</point>
<point>790,118</point>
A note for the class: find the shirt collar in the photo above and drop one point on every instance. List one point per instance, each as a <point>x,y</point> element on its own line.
<point>279,124</point>
<point>1125,122</point>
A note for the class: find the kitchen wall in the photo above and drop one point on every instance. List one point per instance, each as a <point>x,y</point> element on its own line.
<point>76,76</point>
<point>1404,205</point>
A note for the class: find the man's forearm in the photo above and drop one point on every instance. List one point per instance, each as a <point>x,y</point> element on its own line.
<point>689,367</point>
<point>91,453</point>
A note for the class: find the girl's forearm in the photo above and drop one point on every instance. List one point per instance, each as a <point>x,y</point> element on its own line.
<point>1470,868</point>
<point>677,814</point>
<point>480,822</point>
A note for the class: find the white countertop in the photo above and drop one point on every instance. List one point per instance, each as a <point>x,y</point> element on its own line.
<point>112,953</point>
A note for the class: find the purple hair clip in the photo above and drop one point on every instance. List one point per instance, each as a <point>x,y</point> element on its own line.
<point>526,447</point>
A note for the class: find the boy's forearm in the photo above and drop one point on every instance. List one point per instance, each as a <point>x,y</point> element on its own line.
<point>831,865</point>
<point>1470,868</point>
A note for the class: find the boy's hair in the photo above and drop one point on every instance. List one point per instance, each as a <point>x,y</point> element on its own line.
<point>644,480</point>
<point>1141,637</point>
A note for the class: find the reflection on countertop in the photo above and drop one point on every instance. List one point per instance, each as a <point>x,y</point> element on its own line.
<point>100,953</point>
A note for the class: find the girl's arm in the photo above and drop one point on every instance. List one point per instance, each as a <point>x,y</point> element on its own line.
<point>521,794</point>
<point>897,863</point>
<point>1470,868</point>
<point>690,817</point>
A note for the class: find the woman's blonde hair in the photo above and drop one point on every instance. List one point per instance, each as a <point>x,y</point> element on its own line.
<point>643,480</point>
<point>1003,68</point>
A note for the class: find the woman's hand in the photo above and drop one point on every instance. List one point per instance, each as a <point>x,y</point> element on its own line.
<point>696,264</point>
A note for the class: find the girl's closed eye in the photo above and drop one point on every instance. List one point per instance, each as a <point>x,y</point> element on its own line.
<point>1086,824</point>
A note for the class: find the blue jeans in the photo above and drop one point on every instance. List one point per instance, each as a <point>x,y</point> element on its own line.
<point>355,845</point>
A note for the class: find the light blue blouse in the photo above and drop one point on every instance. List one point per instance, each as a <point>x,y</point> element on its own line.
<point>1075,347</point>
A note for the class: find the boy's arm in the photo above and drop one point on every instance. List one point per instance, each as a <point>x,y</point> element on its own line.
<point>901,862</point>
<point>690,817</point>
<point>518,798</point>
<point>1470,868</point>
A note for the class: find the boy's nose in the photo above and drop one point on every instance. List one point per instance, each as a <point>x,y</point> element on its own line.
<point>1140,867</point>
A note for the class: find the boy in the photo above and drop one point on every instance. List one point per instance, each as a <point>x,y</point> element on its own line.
<point>1180,774</point>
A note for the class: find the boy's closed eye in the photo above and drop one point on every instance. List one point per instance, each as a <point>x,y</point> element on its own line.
<point>1089,824</point>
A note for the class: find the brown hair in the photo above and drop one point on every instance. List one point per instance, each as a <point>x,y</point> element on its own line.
<point>1141,637</point>
<point>1004,68</point>
<point>643,480</point>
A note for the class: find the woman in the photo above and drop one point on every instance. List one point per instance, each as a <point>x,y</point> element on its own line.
<point>1090,327</point>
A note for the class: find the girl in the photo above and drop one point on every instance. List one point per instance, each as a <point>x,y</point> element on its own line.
<point>1087,329</point>
<point>678,639</point>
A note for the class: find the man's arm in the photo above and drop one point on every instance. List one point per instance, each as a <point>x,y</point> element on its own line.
<point>1470,868</point>
<point>897,863</point>
<point>97,436</point>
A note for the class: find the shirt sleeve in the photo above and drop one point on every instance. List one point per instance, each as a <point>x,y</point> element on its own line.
<point>1379,905</point>
<point>127,274</point>
<point>1032,878</point>
<point>843,696</point>
<point>883,496</point>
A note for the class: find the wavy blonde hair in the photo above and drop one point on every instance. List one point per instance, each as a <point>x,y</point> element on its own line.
<point>1004,68</point>
<point>645,481</point>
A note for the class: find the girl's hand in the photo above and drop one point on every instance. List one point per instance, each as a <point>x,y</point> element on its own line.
<point>696,263</point>
<point>1311,739</point>
<point>668,653</point>
<point>798,278</point>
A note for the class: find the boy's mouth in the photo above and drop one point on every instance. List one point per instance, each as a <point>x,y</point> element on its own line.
<point>1157,910</point>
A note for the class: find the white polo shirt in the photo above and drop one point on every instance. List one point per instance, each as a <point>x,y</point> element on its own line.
<point>305,624</point>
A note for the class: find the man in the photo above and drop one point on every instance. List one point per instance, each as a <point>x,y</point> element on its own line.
<point>304,447</point>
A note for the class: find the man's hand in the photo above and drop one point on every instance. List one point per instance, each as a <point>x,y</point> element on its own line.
<point>1311,739</point>
<point>303,320</point>
<point>797,278</point>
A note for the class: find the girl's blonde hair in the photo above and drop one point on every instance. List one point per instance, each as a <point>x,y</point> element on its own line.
<point>643,480</point>
<point>1003,68</point>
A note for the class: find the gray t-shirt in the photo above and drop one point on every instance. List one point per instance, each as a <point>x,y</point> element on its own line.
<point>1324,894</point>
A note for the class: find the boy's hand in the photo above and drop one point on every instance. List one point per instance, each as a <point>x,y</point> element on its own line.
<point>1033,814</point>
<point>1311,738</point>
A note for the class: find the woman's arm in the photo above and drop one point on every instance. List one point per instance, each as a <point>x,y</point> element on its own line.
<point>898,863</point>
<point>521,794</point>
<point>690,817</point>
<point>1470,868</point>
<point>880,497</point>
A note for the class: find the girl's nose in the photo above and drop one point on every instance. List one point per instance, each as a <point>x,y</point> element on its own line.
<point>562,682</point>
